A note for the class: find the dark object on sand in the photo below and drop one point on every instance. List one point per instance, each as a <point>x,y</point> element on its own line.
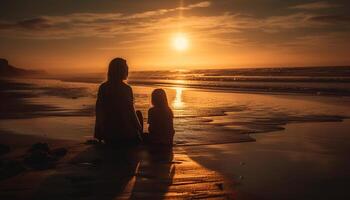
<point>80,179</point>
<point>39,160</point>
<point>220,186</point>
<point>92,142</point>
<point>59,152</point>
<point>4,149</point>
<point>9,168</point>
<point>41,157</point>
<point>40,147</point>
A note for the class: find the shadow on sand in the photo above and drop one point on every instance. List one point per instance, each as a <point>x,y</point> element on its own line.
<point>100,172</point>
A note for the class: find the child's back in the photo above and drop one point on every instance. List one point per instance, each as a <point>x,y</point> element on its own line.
<point>160,120</point>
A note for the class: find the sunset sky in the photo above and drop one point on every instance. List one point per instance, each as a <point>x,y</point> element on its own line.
<point>83,35</point>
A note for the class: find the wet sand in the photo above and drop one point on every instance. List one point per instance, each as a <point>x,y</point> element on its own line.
<point>65,110</point>
<point>304,161</point>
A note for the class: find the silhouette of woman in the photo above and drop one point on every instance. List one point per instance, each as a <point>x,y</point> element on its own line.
<point>116,119</point>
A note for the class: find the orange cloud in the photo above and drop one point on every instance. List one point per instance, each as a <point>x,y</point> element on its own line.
<point>315,5</point>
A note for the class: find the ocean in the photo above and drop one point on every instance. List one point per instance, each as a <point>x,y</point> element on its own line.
<point>309,80</point>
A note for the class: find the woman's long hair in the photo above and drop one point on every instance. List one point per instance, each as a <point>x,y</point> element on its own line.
<point>159,98</point>
<point>118,70</point>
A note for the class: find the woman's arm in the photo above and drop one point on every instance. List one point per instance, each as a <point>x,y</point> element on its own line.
<point>149,120</point>
<point>134,117</point>
<point>99,116</point>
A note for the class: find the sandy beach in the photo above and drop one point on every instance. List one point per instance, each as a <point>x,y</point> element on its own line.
<point>94,172</point>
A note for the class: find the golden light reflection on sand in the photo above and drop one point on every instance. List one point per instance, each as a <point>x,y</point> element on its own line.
<point>178,103</point>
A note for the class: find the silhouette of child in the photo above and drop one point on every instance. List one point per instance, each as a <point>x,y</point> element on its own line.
<point>160,120</point>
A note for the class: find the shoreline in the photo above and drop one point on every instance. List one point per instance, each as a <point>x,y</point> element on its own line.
<point>224,89</point>
<point>47,105</point>
<point>265,91</point>
<point>254,137</point>
<point>76,122</point>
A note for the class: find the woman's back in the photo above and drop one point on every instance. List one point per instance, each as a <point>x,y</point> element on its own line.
<point>115,98</point>
<point>115,107</point>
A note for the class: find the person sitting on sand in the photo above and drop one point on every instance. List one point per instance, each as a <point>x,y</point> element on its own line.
<point>116,119</point>
<point>160,120</point>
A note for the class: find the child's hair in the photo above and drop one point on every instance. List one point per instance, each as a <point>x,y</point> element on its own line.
<point>159,98</point>
<point>117,70</point>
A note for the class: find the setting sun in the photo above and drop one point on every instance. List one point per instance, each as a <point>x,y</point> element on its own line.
<point>180,42</point>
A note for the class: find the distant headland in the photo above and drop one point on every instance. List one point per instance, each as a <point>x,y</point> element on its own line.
<point>8,70</point>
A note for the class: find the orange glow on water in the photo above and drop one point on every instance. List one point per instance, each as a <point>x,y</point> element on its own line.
<point>178,102</point>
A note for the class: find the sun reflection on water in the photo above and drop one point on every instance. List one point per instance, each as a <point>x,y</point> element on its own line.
<point>178,103</point>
